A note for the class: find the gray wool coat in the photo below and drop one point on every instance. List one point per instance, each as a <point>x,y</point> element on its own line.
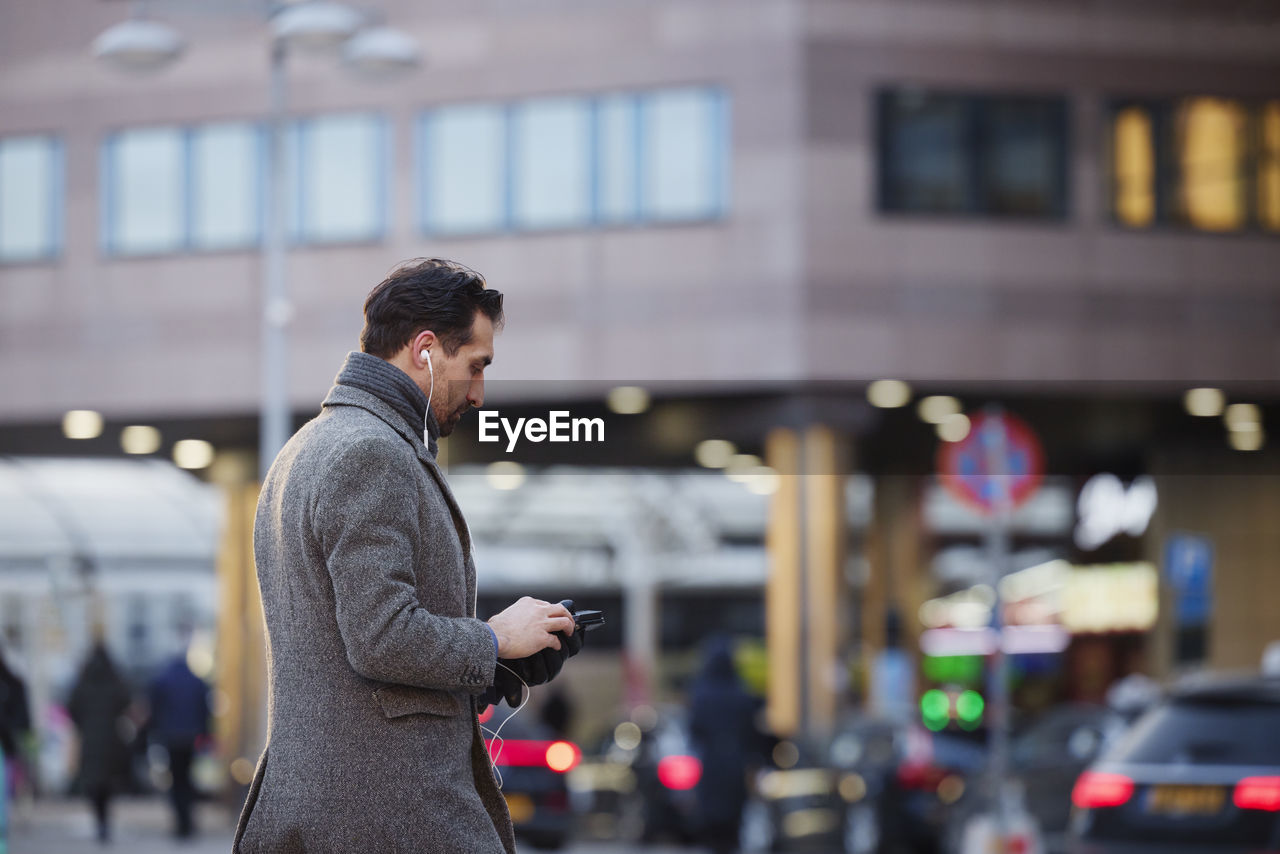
<point>374,653</point>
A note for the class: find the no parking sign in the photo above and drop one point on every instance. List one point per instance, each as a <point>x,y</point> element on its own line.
<point>969,468</point>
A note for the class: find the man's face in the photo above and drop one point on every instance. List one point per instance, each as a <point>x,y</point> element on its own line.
<point>459,379</point>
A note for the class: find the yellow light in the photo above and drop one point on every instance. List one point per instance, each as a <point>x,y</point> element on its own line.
<point>627,735</point>
<point>242,771</point>
<point>628,400</point>
<point>1133,154</point>
<point>888,394</point>
<point>853,788</point>
<point>1247,440</point>
<point>741,467</point>
<point>785,755</point>
<point>139,439</point>
<point>505,475</point>
<point>761,480</point>
<point>200,659</point>
<point>954,428</point>
<point>950,789</point>
<point>936,408</point>
<point>1213,141</point>
<point>192,454</point>
<point>1243,417</point>
<point>82,424</point>
<point>1269,168</point>
<point>1204,402</point>
<point>714,453</point>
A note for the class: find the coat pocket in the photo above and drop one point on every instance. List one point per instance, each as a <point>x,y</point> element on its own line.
<point>399,700</point>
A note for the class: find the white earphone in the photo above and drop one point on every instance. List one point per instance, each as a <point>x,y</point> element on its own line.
<point>426,354</point>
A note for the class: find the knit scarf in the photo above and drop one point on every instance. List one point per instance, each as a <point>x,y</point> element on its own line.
<point>393,387</point>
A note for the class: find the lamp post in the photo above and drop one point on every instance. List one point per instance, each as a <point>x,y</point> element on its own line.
<point>143,45</point>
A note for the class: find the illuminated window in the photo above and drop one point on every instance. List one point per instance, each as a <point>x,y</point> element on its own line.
<point>1269,168</point>
<point>30,198</point>
<point>1212,164</point>
<point>1134,170</point>
<point>946,153</point>
<point>1210,136</point>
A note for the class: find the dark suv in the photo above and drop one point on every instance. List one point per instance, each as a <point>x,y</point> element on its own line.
<point>1198,773</point>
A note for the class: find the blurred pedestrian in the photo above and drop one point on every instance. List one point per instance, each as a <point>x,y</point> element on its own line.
<point>375,655</point>
<point>722,718</point>
<point>179,719</point>
<point>15,725</point>
<point>557,712</point>
<point>98,703</point>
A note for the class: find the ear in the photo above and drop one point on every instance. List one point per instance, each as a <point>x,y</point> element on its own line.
<point>424,340</point>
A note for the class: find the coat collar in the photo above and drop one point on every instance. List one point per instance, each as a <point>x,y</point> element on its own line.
<point>344,395</point>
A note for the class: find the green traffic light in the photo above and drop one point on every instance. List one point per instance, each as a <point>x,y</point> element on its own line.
<point>969,707</point>
<point>935,708</point>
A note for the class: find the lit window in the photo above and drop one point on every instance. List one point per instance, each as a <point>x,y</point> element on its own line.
<point>551,163</point>
<point>617,159</point>
<point>341,163</point>
<point>1269,168</point>
<point>30,198</point>
<point>1134,170</point>
<point>225,182</point>
<point>683,157</point>
<point>464,171</point>
<point>1211,135</point>
<point>145,195</point>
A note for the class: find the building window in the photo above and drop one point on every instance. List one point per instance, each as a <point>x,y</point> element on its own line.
<point>1207,163</point>
<point>340,173</point>
<point>179,189</point>
<point>30,198</point>
<point>681,157</point>
<point>464,169</point>
<point>571,162</point>
<point>226,183</point>
<point>551,163</point>
<point>947,153</point>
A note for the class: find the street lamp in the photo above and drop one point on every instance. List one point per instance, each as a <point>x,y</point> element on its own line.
<point>313,25</point>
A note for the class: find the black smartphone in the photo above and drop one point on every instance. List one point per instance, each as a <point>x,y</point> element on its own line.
<point>588,620</point>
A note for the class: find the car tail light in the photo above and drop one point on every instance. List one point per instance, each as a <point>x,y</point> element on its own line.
<point>1258,793</point>
<point>563,756</point>
<point>921,776</point>
<point>560,756</point>
<point>679,772</point>
<point>1095,790</point>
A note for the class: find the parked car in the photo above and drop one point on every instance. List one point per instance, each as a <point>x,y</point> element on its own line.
<point>532,765</point>
<point>1200,772</point>
<point>1045,759</point>
<point>638,785</point>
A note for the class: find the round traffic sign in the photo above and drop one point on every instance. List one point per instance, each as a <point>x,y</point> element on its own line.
<point>971,470</point>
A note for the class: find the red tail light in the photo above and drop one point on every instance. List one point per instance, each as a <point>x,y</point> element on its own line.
<point>1094,790</point>
<point>1258,793</point>
<point>559,756</point>
<point>486,715</point>
<point>920,776</point>
<point>679,772</point>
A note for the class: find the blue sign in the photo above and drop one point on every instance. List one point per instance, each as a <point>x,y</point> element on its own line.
<point>1188,569</point>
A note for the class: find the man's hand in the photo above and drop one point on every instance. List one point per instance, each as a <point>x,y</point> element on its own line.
<point>528,626</point>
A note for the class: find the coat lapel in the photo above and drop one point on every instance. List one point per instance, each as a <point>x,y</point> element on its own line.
<point>342,395</point>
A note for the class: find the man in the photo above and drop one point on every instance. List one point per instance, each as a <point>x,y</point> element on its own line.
<point>375,656</point>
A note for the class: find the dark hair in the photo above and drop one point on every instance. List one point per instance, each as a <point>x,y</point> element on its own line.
<point>426,293</point>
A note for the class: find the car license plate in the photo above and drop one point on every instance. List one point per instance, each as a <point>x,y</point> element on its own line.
<point>521,808</point>
<point>1186,800</point>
